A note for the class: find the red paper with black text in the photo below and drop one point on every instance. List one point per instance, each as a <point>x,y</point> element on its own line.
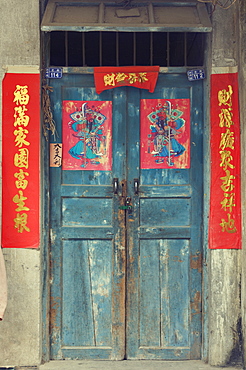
<point>20,160</point>
<point>141,77</point>
<point>225,231</point>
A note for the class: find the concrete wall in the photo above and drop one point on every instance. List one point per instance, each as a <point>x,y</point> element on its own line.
<point>225,265</point>
<point>20,330</point>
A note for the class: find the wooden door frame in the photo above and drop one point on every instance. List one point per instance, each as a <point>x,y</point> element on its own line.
<point>45,250</point>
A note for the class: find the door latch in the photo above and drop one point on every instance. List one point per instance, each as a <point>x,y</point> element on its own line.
<point>127,206</point>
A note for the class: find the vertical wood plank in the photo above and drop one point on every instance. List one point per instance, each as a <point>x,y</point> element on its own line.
<point>77,314</point>
<point>100,262</point>
<point>149,293</point>
<point>179,292</point>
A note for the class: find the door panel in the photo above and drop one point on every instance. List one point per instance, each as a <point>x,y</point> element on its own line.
<point>127,284</point>
<point>87,244</point>
<point>164,239</point>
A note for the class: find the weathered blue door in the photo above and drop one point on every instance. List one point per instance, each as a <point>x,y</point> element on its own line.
<point>126,244</point>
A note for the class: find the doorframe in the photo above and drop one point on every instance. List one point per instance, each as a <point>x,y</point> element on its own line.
<point>45,216</point>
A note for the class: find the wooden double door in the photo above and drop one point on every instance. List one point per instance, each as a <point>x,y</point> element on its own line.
<point>125,242</point>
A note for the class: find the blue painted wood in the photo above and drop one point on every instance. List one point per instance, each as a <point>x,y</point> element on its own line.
<point>150,308</point>
<point>87,293</point>
<point>164,257</point>
<point>87,254</point>
<point>107,263</point>
<point>86,212</point>
<point>167,211</point>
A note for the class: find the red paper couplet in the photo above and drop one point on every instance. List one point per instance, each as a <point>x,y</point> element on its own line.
<point>225,198</point>
<point>20,164</point>
<point>111,77</point>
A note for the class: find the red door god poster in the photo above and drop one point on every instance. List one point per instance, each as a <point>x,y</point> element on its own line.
<point>87,135</point>
<point>165,133</point>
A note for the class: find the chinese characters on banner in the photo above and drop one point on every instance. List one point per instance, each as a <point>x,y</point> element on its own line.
<point>20,163</point>
<point>165,133</point>
<point>140,77</point>
<point>225,197</point>
<point>87,135</point>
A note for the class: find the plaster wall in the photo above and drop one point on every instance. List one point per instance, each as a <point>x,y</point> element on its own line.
<point>20,328</point>
<point>225,265</point>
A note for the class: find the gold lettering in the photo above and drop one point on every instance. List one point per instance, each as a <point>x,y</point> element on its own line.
<point>227,182</point>
<point>21,183</point>
<point>226,158</point>
<point>227,140</point>
<point>120,77</point>
<point>142,77</point>
<point>224,96</point>
<point>228,201</point>
<point>226,118</point>
<point>21,119</point>
<point>19,200</point>
<point>132,78</point>
<point>228,225</point>
<point>20,134</point>
<point>21,222</point>
<point>109,79</point>
<point>21,158</point>
<point>21,95</point>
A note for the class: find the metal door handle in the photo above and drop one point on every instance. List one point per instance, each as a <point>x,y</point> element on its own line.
<point>115,185</point>
<point>136,186</point>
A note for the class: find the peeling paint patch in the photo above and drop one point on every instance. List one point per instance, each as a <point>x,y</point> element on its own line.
<point>196,304</point>
<point>196,262</point>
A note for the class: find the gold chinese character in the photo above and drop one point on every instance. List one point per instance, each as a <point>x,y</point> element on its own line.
<point>20,222</point>
<point>142,77</point>
<point>227,182</point>
<point>228,201</point>
<point>20,134</point>
<point>21,119</point>
<point>21,183</point>
<point>120,77</point>
<point>109,79</point>
<point>19,200</point>
<point>21,158</point>
<point>224,96</point>
<point>21,95</point>
<point>229,225</point>
<point>226,158</point>
<point>226,118</point>
<point>132,78</point>
<point>227,139</point>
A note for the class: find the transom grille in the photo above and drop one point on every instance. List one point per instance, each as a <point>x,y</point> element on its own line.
<point>93,49</point>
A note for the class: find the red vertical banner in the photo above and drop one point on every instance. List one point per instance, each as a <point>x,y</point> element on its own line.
<point>21,160</point>
<point>225,231</point>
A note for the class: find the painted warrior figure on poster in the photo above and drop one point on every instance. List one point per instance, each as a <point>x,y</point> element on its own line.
<point>167,134</point>
<point>88,126</point>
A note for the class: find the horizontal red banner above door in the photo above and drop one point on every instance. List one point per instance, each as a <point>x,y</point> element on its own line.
<point>141,77</point>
